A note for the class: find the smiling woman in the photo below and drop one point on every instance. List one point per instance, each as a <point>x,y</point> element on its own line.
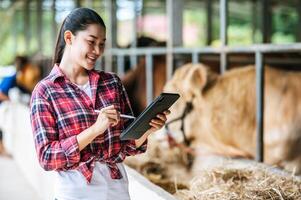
<point>87,46</point>
<point>82,146</point>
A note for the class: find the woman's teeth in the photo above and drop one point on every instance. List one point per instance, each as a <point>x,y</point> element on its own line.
<point>91,59</point>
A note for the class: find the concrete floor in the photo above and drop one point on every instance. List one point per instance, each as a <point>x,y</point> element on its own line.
<point>13,185</point>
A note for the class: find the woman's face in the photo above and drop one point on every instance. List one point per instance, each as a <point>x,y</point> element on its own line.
<point>88,45</point>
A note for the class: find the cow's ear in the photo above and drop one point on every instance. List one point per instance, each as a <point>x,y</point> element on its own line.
<point>194,81</point>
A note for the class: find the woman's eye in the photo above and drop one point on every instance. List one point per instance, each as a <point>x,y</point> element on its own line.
<point>90,42</point>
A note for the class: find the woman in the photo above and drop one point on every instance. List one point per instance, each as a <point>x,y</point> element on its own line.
<point>81,145</point>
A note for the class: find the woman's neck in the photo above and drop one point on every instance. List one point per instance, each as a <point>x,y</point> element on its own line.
<point>76,74</point>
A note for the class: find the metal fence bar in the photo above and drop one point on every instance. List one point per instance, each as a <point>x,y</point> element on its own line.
<point>264,48</point>
<point>298,9</point>
<point>209,14</point>
<point>27,24</point>
<point>254,20</point>
<point>111,36</point>
<point>259,106</point>
<point>53,22</point>
<point>195,57</point>
<point>266,15</point>
<point>120,65</point>
<point>39,26</point>
<point>223,21</point>
<point>223,34</point>
<point>170,45</point>
<point>223,62</point>
<point>133,58</point>
<point>15,32</point>
<point>149,78</point>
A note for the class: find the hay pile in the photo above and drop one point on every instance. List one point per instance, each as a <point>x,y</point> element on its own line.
<point>222,180</point>
<point>256,183</point>
<point>165,167</point>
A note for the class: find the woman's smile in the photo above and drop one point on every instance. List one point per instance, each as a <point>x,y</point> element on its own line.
<point>91,59</point>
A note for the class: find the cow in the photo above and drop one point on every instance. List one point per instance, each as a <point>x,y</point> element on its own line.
<point>134,80</point>
<point>222,119</point>
<point>27,76</point>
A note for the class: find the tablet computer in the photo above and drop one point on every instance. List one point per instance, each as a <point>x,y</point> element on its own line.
<point>141,124</point>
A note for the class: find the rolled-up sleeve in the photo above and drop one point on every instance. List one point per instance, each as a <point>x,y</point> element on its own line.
<point>131,149</point>
<point>53,154</point>
<point>129,146</point>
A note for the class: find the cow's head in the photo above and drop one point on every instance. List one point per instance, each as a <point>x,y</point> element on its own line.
<point>189,81</point>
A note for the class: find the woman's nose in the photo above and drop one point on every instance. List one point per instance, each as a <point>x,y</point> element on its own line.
<point>96,51</point>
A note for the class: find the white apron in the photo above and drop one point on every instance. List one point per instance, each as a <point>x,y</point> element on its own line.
<point>72,185</point>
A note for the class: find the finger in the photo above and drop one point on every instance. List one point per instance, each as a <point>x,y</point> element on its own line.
<point>118,115</point>
<point>113,122</point>
<point>108,107</point>
<point>158,122</point>
<point>111,111</point>
<point>109,116</point>
<point>166,112</point>
<point>156,126</point>
<point>162,117</point>
<point>112,116</point>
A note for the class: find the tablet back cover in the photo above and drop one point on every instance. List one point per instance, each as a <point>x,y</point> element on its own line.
<point>141,124</point>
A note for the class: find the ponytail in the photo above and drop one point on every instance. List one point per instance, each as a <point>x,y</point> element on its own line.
<point>60,45</point>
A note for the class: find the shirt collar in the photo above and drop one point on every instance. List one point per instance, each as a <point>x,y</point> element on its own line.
<point>56,73</point>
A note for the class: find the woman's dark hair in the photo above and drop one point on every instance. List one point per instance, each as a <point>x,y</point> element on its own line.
<point>77,20</point>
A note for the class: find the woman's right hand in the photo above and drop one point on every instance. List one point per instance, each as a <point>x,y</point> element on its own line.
<point>108,116</point>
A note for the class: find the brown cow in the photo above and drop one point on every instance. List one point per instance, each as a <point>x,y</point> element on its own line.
<point>223,119</point>
<point>135,80</point>
<point>29,77</point>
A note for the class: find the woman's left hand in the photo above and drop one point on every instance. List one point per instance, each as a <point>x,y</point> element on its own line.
<point>158,122</point>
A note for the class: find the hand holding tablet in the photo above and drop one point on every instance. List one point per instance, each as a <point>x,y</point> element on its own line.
<point>141,124</point>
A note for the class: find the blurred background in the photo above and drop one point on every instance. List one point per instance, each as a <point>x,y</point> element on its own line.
<point>29,27</point>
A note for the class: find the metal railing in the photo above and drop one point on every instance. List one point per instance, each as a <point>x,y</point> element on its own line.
<point>259,51</point>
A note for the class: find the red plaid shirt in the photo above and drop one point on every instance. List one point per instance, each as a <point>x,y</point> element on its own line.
<point>60,111</point>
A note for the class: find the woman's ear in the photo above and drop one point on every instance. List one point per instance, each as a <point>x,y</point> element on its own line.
<point>68,37</point>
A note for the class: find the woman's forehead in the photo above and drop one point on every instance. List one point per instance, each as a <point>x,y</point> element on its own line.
<point>95,31</point>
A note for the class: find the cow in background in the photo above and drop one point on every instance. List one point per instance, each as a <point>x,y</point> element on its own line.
<point>30,76</point>
<point>135,79</point>
<point>18,86</point>
<point>223,116</point>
